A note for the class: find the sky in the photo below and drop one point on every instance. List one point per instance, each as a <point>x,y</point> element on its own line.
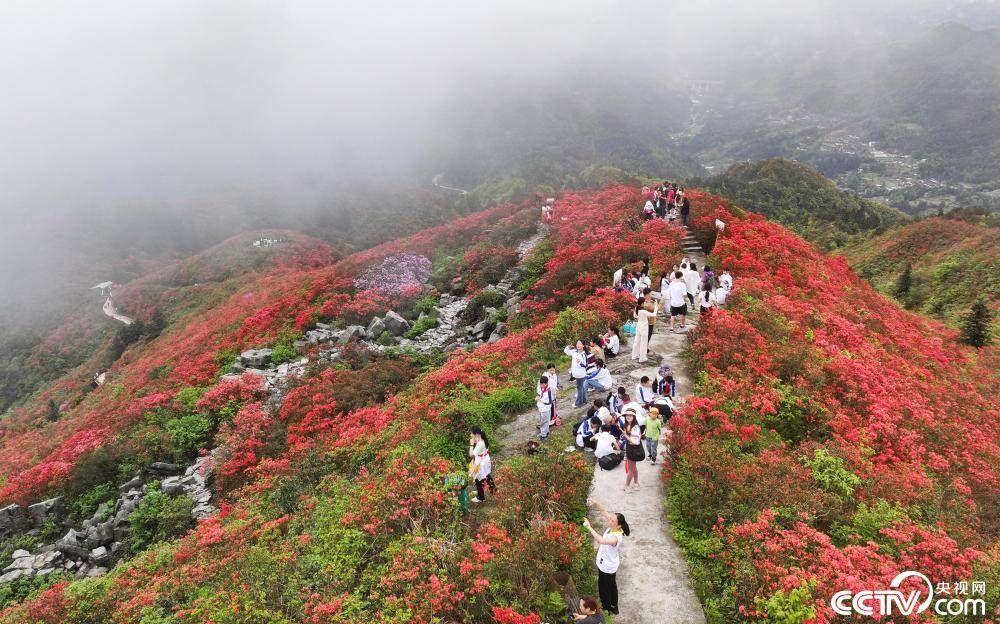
<point>111,104</point>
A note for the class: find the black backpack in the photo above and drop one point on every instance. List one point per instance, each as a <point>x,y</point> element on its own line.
<point>610,462</point>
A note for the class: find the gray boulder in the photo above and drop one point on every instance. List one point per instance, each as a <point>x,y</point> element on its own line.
<point>13,575</point>
<point>322,326</point>
<point>13,519</point>
<point>96,571</point>
<point>352,331</point>
<point>164,468</point>
<point>256,358</point>
<point>375,328</point>
<point>498,333</point>
<point>70,546</point>
<point>395,324</point>
<point>41,512</point>
<point>100,556</point>
<point>171,486</point>
<point>20,552</point>
<point>133,483</point>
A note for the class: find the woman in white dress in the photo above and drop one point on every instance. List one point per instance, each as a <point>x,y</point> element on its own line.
<point>643,319</point>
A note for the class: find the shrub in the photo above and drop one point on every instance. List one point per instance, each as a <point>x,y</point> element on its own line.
<point>422,325</point>
<point>190,433</point>
<point>283,352</point>
<point>488,298</point>
<point>793,607</point>
<point>830,474</point>
<point>158,518</point>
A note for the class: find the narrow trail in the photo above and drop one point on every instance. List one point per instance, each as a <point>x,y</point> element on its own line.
<point>436,181</point>
<point>110,311</point>
<point>654,585</point>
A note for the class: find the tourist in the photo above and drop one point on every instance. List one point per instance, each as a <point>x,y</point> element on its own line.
<point>550,372</point>
<point>649,210</point>
<point>677,300</point>
<point>617,401</point>
<point>604,443</point>
<point>608,554</point>
<point>544,402</point>
<point>686,212</point>
<point>601,380</point>
<point>726,280</point>
<point>578,371</point>
<point>611,341</point>
<point>589,612</point>
<point>721,294</point>
<point>706,299</point>
<point>601,411</point>
<point>480,465</point>
<point>632,433</point>
<point>644,392</point>
<point>458,483</point>
<point>692,280</point>
<point>665,384</point>
<point>586,431</point>
<point>708,278</point>
<point>654,428</point>
<point>595,353</point>
<point>644,318</point>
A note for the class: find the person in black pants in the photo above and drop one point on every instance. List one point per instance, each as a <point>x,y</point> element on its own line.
<point>609,546</point>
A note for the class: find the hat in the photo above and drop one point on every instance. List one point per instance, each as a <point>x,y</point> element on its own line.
<point>664,371</point>
<point>622,524</point>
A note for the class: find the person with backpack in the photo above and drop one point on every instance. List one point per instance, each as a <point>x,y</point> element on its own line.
<point>649,210</point>
<point>544,401</point>
<point>606,448</point>
<point>608,553</point>
<point>480,465</point>
<point>578,371</point>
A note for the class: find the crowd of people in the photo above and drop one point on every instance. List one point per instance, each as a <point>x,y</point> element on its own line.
<point>666,201</point>
<point>619,427</point>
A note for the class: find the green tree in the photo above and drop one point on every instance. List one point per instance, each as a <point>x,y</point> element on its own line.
<point>904,281</point>
<point>976,325</point>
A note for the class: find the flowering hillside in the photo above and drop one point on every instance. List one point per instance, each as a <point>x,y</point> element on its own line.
<point>341,494</point>
<point>835,439</point>
<point>949,260</point>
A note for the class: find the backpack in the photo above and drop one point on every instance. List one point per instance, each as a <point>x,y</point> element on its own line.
<point>610,462</point>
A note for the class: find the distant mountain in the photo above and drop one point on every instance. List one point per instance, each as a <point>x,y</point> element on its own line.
<point>952,263</point>
<point>804,200</point>
<point>913,121</point>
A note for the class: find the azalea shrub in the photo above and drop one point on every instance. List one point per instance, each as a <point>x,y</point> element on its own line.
<point>834,440</point>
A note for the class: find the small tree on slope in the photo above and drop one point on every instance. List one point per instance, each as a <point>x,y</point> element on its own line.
<point>976,325</point>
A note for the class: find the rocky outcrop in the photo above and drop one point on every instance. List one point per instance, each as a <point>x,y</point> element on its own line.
<point>13,520</point>
<point>98,543</point>
<point>395,324</point>
<point>256,358</point>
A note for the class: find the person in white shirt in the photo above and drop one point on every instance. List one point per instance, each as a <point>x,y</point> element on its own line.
<point>677,299</point>
<point>693,281</point>
<point>644,391</point>
<point>644,319</point>
<point>617,401</point>
<point>601,379</point>
<point>726,280</point>
<point>607,444</point>
<point>608,553</point>
<point>706,299</point>
<point>616,279</point>
<point>550,372</point>
<point>578,371</point>
<point>545,398</point>
<point>480,466</point>
<point>611,342</point>
<point>721,294</point>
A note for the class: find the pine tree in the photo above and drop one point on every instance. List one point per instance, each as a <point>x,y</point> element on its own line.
<point>904,281</point>
<point>976,325</point>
